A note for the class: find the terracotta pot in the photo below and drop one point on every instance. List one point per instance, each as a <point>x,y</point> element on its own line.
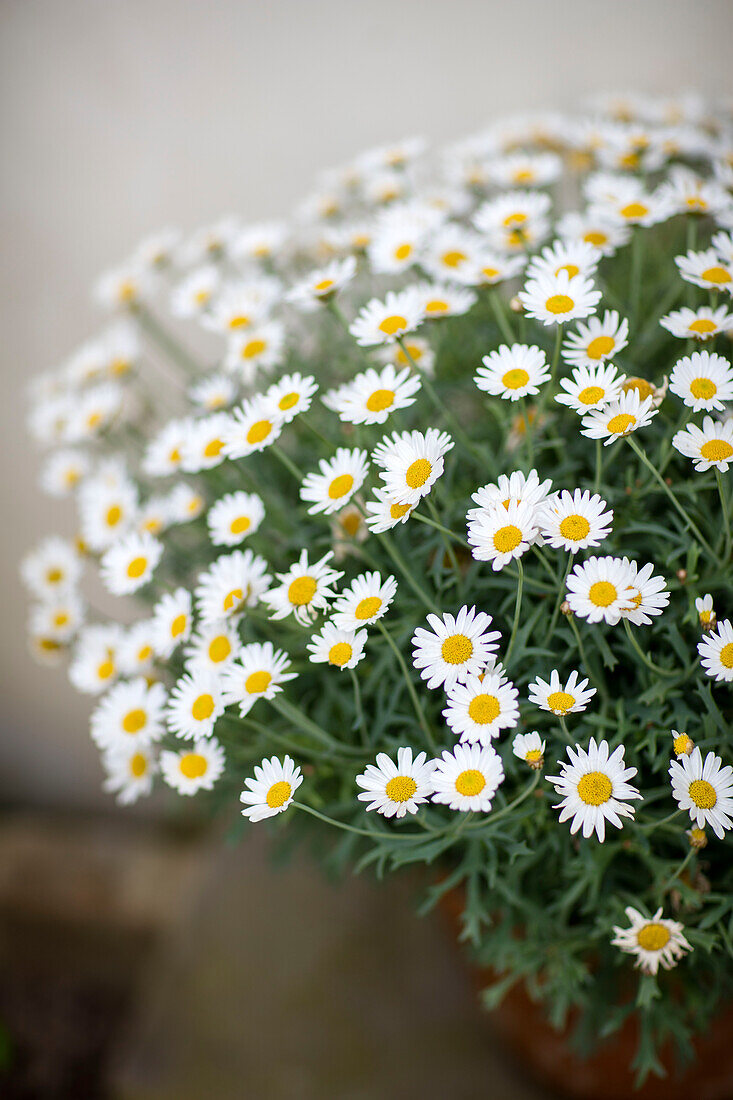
<point>548,1058</point>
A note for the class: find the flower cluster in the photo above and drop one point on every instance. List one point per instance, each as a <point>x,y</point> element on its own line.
<point>411,491</point>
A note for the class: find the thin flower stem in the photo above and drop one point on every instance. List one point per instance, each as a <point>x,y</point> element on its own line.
<point>560,595</point>
<point>439,527</point>
<point>650,825</point>
<point>550,384</point>
<point>599,466</point>
<point>295,716</point>
<point>166,342</point>
<point>444,534</point>
<point>303,419</point>
<point>359,708</point>
<point>726,515</point>
<point>565,731</point>
<point>527,432</point>
<point>517,611</point>
<point>506,810</point>
<point>579,643</point>
<point>545,564</point>
<point>640,652</point>
<point>420,714</point>
<point>636,263</point>
<point>353,828</point>
<point>497,306</point>
<point>287,462</point>
<point>407,573</point>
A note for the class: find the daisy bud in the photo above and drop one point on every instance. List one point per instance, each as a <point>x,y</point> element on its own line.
<point>565,608</point>
<point>682,575</point>
<point>682,744</point>
<point>706,612</point>
<point>515,305</point>
<point>697,838</point>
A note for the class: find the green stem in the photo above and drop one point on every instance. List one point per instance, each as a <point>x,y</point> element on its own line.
<point>527,432</point>
<point>353,828</point>
<point>295,716</point>
<point>420,714</point>
<point>517,611</point>
<point>651,825</point>
<point>404,569</point>
<point>599,466</point>
<point>560,595</point>
<point>506,810</point>
<point>287,461</point>
<point>643,656</point>
<point>166,342</point>
<point>439,527</point>
<point>565,731</point>
<point>726,515</point>
<point>497,307</point>
<point>359,721</point>
<point>446,541</point>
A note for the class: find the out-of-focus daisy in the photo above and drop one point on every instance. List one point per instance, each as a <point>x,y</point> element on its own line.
<point>252,427</point>
<point>130,563</point>
<point>242,305</point>
<point>513,372</point>
<point>234,582</point>
<point>682,745</point>
<point>481,707</point>
<point>203,448</point>
<point>572,257</point>
<point>490,268</point>
<point>60,619</point>
<point>619,417</point>
<point>341,648</point>
<point>515,220</point>
<point>526,170</point>
<point>411,462</point>
<point>292,395</point>
<point>336,482</point>
<point>700,324</point>
<point>258,673</point>
<point>711,445</point>
<point>381,322</point>
<point>124,286</point>
<point>413,351</point>
<point>373,395</point>
<point>455,647</point>
<point>591,387</point>
<point>386,512</point>
<point>255,349</point>
<point>195,292</point>
<point>705,269</point>
<point>703,381</point>
<point>706,612</point>
<point>234,517</point>
<point>649,594</point>
<point>171,621</point>
<point>94,664</point>
<point>129,773</point>
<point>157,250</point>
<point>443,300</point>
<point>130,714</point>
<point>52,568</point>
<point>601,589</point>
<point>259,242</point>
<point>467,778</point>
<point>195,703</point>
<point>530,748</point>
<point>63,471</point>
<point>213,646</point>
<point>575,522</point>
<point>559,698</point>
<point>322,285</point>
<point>194,769</point>
<point>716,652</point>
<point>595,788</point>
<point>106,510</point>
<point>396,789</point>
<point>135,653</point>
<point>556,299</point>
<point>452,252</point>
<point>705,789</point>
<point>304,589</point>
<point>365,601</point>
<point>603,234</point>
<point>164,452</point>
<point>397,239</point>
<point>272,789</point>
<point>501,532</point>
<point>185,504</point>
<point>596,341</point>
<point>654,942</point>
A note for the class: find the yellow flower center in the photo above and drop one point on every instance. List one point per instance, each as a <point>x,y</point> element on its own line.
<point>716,275</point>
<point>134,720</point>
<point>470,783</point>
<point>302,590</point>
<point>437,305</point>
<point>105,669</point>
<point>367,608</point>
<point>483,709</point>
<point>257,682</point>
<point>340,654</point>
<point>380,400</point>
<point>453,258</point>
<point>515,378</point>
<point>397,511</point>
<point>193,765</point>
<point>591,395</point>
<point>702,325</point>
<point>323,286</point>
<point>390,325</point>
<point>575,528</point>
<point>137,567</point>
<point>403,251</point>
<point>418,473</point>
<point>287,401</point>
<point>600,347</point>
<point>533,756</point>
<point>703,388</point>
<point>490,272</point>
<point>60,619</point>
<point>702,794</point>
<point>178,625</point>
<point>559,303</point>
<point>518,218</point>
<point>594,236</point>
<point>716,450</point>
<point>278,794</point>
<point>138,765</point>
<point>253,348</point>
<point>239,525</point>
<point>602,593</point>
<point>456,649</point>
<point>401,788</point>
<point>621,424</point>
<point>340,486</point>
<point>213,448</point>
<point>507,539</point>
<point>239,320</point>
<point>54,576</point>
<point>114,515</point>
<point>202,707</point>
<point>595,788</point>
<point>634,210</point>
<point>174,455</point>
<point>219,649</point>
<point>259,431</point>
<point>572,269</point>
<point>726,655</point>
<point>560,702</point>
<point>653,937</point>
<point>351,523</point>
<point>682,744</point>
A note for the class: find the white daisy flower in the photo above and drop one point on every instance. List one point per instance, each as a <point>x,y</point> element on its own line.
<point>322,285</point>
<point>706,612</point>
<point>556,299</point>
<point>339,478</point>
<point>491,268</point>
<point>575,522</point>
<point>124,286</point>
<point>94,664</point>
<point>381,322</point>
<point>618,418</point>
<point>129,773</point>
<point>93,411</point>
<point>366,600</point>
<point>304,590</point>
<point>258,673</point>
<point>373,395</point>
<point>261,347</point>
<point>501,532</point>
<point>272,789</point>
<point>203,447</point>
<point>603,234</point>
<point>130,563</point>
<point>412,462</point>
<point>194,704</point>
<point>699,324</point>
<point>412,350</point>
<point>530,747</point>
<point>481,707</point>
<point>467,778</point>
<point>649,594</point>
<point>559,698</point>
<point>185,504</point>
<point>705,269</point>
<point>716,652</point>
<point>59,619</point>
<point>129,715</point>
<point>154,515</point>
<point>591,387</point>
<point>654,941</point>
<point>164,452</point>
<point>453,253</point>
<point>601,589</point>
<point>106,510</point>
<point>234,517</point>
<point>210,242</point>
<point>396,789</point>
<point>194,769</point>
<point>253,426</point>
<point>513,372</point>
<point>526,170</point>
<point>157,250</point>
<point>292,395</point>
<point>711,445</point>
<point>682,745</point>
<point>704,789</point>
<point>135,653</point>
<point>514,221</point>
<point>195,293</point>
<point>341,648</point>
<point>524,489</point>
<point>443,299</point>
<point>595,788</point>
<point>54,567</point>
<point>63,471</point>
<point>171,622</point>
<point>396,240</point>
<point>213,646</point>
<point>386,512</point>
<point>703,381</point>
<point>455,648</point>
<point>259,242</point>
<point>242,305</point>
<point>572,257</point>
<point>597,341</point>
<point>232,583</point>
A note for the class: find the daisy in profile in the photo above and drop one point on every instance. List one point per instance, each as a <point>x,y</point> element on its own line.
<point>340,648</point>
<point>513,372</point>
<point>517,486</point>
<point>711,445</point>
<point>396,789</point>
<point>591,387</point>
<point>195,769</point>
<point>595,788</point>
<point>700,324</point>
<point>94,663</point>
<point>129,772</point>
<point>559,698</point>
<point>412,351</point>
<point>649,594</point>
<point>366,600</point>
<point>323,285</point>
<point>185,504</point>
<point>556,299</point>
<point>596,341</point>
<point>501,532</point>
<point>234,582</point>
<point>130,563</point>
<point>194,705</point>
<point>374,395</point>
<point>619,417</point>
<point>455,647</point>
<point>292,395</point>
<point>384,322</point>
<point>601,589</point>
<point>467,778</point>
<point>716,652</point>
<point>481,707</point>
<point>411,463</point>
<point>272,789</point>
<point>171,622</point>
<point>530,748</point>
<point>304,590</point>
<point>491,268</point>
<point>213,646</point>
<point>234,517</point>
<point>164,452</point>
<point>705,789</point>
<point>706,612</point>
<point>337,480</point>
<point>575,522</point>
<point>654,941</point>
<point>130,714</point>
<point>703,381</point>
<point>252,427</point>
<point>258,673</point>
<point>705,269</point>
<point>386,512</point>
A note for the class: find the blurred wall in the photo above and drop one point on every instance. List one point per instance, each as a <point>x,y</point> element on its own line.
<point>120,116</point>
